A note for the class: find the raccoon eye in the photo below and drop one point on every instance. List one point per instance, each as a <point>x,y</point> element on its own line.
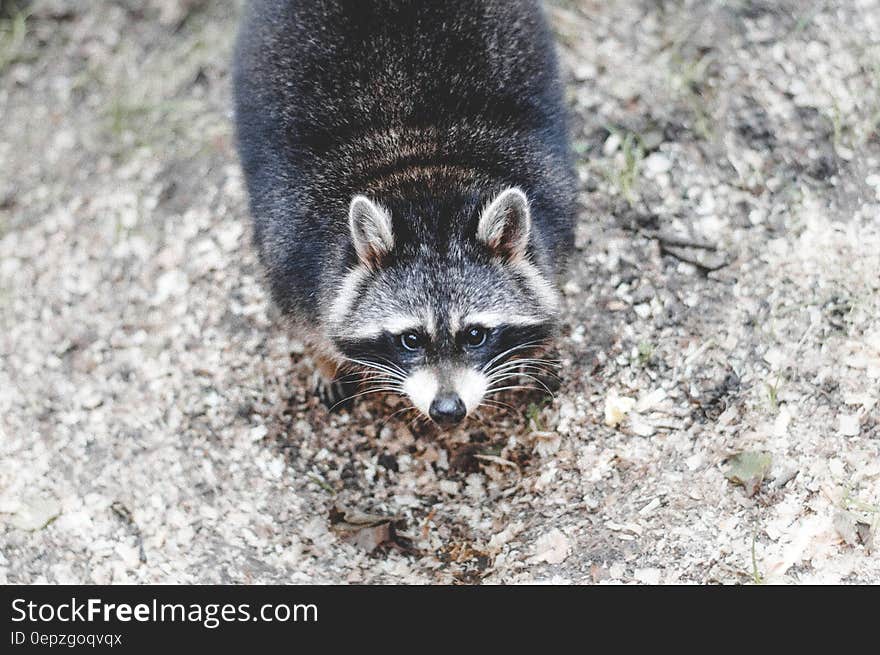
<point>411,340</point>
<point>475,336</point>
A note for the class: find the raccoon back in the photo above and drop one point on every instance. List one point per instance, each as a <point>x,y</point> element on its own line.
<point>394,97</point>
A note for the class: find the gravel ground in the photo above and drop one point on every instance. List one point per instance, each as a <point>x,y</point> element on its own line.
<point>719,414</point>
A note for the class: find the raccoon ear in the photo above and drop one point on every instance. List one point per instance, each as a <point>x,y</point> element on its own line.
<point>371,231</point>
<point>505,224</point>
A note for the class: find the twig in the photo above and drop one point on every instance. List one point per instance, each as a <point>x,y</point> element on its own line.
<point>680,241</point>
<point>497,460</point>
<point>683,256</point>
<point>124,514</point>
<point>665,238</point>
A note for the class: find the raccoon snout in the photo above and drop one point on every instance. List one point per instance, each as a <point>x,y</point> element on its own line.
<point>447,409</point>
<point>446,395</point>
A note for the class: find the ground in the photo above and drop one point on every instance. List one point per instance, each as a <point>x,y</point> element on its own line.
<point>718,419</point>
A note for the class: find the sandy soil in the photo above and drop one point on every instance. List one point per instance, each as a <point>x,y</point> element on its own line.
<point>719,415</point>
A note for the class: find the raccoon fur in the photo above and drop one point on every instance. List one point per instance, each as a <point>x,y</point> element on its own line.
<point>411,187</point>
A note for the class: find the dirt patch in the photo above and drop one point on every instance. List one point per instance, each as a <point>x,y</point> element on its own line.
<point>723,300</point>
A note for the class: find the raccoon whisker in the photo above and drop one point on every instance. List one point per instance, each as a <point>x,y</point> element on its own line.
<point>389,366</point>
<point>376,377</point>
<point>491,402</point>
<point>408,408</point>
<point>381,376</point>
<point>520,378</point>
<point>539,375</point>
<point>501,377</point>
<point>520,386</point>
<point>349,398</point>
<point>376,389</point>
<point>553,363</point>
<point>515,386</point>
<point>502,383</point>
<point>369,379</point>
<point>541,385</point>
<point>420,418</point>
<point>533,345</point>
<point>374,370</point>
<point>387,363</point>
<point>519,361</point>
<point>393,365</point>
<point>383,385</point>
<point>365,393</point>
<point>396,372</point>
<point>518,371</point>
<point>501,355</point>
<point>525,371</point>
<point>510,351</point>
<point>504,379</point>
<point>363,376</point>
<point>534,368</point>
<point>542,373</point>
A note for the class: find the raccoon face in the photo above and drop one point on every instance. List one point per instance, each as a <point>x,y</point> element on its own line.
<point>448,320</point>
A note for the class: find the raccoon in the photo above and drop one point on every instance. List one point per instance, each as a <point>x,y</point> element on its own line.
<point>412,189</point>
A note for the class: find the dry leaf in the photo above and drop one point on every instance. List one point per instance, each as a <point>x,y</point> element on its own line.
<point>865,535</point>
<point>845,525</point>
<point>552,547</point>
<point>35,513</point>
<point>748,469</point>
<point>367,531</point>
<point>616,409</point>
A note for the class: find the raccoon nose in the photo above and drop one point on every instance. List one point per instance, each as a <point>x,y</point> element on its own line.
<point>447,409</point>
